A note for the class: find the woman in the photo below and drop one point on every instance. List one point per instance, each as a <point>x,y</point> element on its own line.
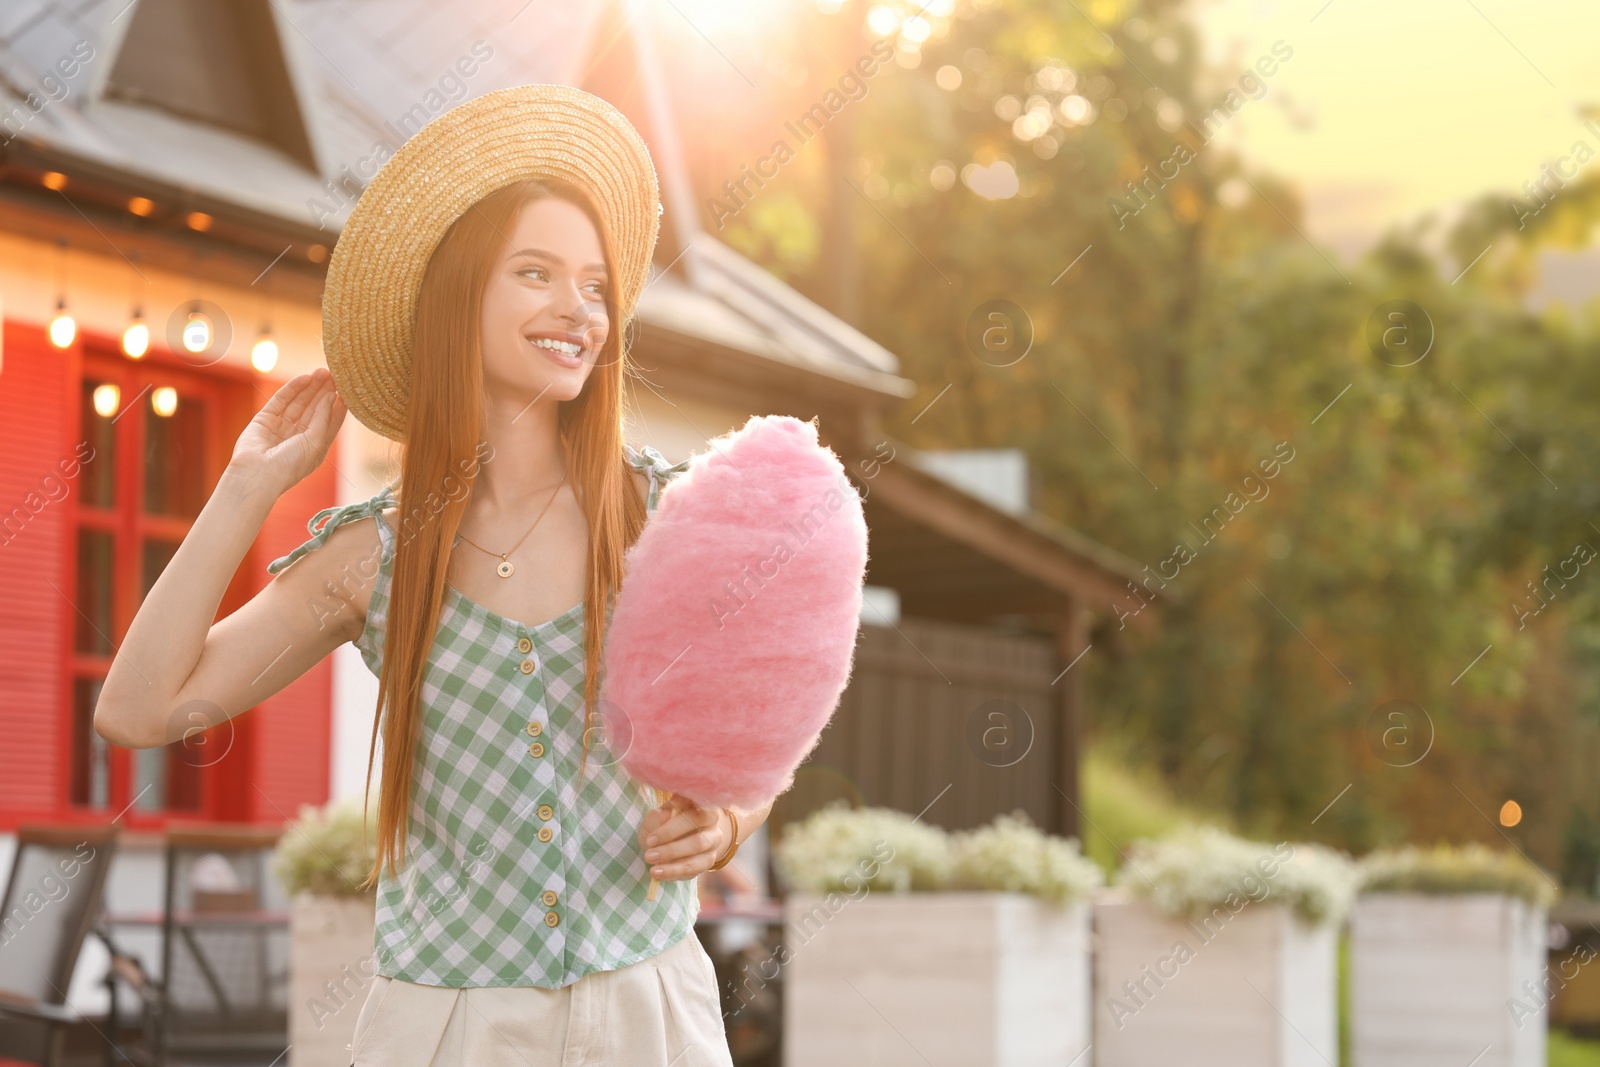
<point>472,311</point>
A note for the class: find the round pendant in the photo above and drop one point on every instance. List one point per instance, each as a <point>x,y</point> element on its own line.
<point>504,569</point>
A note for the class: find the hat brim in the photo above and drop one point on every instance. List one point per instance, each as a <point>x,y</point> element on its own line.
<point>489,142</point>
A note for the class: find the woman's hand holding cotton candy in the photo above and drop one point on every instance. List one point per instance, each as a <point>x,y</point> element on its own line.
<point>682,840</point>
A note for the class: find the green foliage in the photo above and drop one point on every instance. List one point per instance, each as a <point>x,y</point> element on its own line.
<point>326,851</point>
<point>1123,803</point>
<point>1445,869</point>
<point>777,230</point>
<point>1343,986</point>
<point>1206,336</point>
<point>1417,546</point>
<point>1568,1051</point>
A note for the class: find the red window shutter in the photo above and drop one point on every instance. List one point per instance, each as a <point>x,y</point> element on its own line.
<point>35,572</point>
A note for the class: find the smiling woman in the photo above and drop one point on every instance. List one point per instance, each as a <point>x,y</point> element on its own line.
<point>477,301</point>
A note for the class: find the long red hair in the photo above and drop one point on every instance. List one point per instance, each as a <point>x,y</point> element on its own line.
<point>439,464</point>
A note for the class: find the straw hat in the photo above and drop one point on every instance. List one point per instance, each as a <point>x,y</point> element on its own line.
<point>495,140</point>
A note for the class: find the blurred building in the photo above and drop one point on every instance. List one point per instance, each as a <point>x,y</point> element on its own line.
<point>184,166</point>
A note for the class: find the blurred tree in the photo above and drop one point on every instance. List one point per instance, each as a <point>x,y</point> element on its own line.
<point>1363,533</point>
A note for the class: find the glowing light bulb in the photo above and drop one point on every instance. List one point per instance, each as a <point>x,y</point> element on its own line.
<point>197,332</point>
<point>264,353</point>
<point>136,339</point>
<point>62,328</point>
<point>164,401</point>
<point>883,20</point>
<point>107,398</point>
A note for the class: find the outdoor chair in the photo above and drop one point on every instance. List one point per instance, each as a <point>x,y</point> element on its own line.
<point>52,899</point>
<point>126,968</point>
<point>225,967</point>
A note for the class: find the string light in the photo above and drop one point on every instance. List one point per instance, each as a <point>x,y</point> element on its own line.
<point>62,328</point>
<point>107,398</point>
<point>197,330</point>
<point>164,401</point>
<point>136,338</point>
<point>264,353</point>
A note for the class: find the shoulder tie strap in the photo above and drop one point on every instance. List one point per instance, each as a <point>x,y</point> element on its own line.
<point>323,523</point>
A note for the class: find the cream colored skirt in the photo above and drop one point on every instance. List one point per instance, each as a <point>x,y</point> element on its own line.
<point>660,1012</point>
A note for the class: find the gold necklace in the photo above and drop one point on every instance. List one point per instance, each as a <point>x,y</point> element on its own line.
<point>505,568</point>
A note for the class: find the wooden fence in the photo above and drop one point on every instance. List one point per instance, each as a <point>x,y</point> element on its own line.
<point>956,722</point>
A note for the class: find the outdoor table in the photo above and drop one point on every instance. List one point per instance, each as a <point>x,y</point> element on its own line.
<point>186,922</point>
<point>768,911</point>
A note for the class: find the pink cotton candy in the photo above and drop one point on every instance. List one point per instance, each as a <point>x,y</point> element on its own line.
<point>734,633</point>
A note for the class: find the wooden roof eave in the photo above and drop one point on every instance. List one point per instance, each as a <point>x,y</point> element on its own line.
<point>238,245</point>
<point>762,366</point>
<point>1060,559</point>
<point>119,181</point>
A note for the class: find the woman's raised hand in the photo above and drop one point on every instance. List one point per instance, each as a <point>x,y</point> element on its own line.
<point>290,437</point>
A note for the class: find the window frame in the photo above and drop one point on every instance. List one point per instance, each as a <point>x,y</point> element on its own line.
<point>131,529</point>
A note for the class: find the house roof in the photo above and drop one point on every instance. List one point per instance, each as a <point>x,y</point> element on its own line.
<point>278,111</point>
<point>735,304</point>
<point>954,555</point>
<point>367,76</point>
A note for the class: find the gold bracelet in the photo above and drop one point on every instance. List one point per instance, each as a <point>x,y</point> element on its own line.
<point>723,862</point>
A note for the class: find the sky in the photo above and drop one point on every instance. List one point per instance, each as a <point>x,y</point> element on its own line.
<point>1391,109</point>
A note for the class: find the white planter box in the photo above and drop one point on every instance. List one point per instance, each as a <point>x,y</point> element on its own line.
<point>976,979</point>
<point>1257,986</point>
<point>1440,980</point>
<point>331,965</point>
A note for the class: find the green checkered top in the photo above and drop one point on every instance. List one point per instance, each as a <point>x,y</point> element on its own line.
<point>516,873</point>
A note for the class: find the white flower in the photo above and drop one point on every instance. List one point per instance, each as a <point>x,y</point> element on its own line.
<point>1012,854</point>
<point>1198,869</point>
<point>327,851</point>
<point>843,848</point>
<point>1445,868</point>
